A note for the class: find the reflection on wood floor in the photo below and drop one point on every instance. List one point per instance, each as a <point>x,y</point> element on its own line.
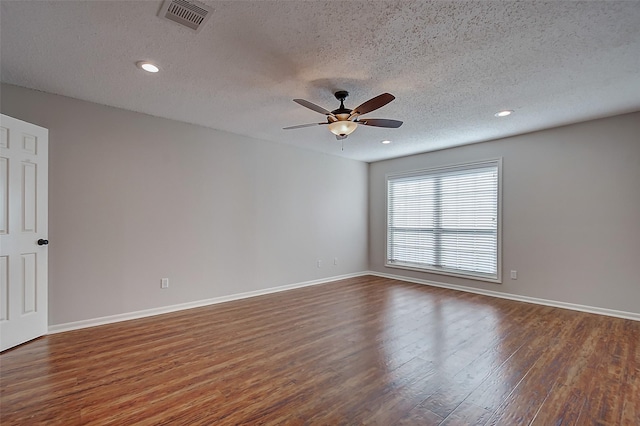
<point>364,350</point>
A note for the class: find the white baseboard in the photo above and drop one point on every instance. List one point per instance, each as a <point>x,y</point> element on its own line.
<point>574,307</point>
<point>76,325</point>
<point>59,328</point>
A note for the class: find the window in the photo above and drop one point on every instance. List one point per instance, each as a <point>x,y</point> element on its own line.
<point>446,220</point>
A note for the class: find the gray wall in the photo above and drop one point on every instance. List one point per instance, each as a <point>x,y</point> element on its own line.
<point>571,212</point>
<point>134,198</point>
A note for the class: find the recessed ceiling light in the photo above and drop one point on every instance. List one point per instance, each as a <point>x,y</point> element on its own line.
<point>147,66</point>
<point>504,113</point>
<point>386,142</point>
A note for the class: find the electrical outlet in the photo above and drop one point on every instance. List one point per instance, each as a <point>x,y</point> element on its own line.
<point>335,260</point>
<point>514,275</point>
<point>319,263</point>
<point>164,283</point>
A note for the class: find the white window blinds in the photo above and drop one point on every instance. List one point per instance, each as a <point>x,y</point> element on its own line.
<point>446,220</point>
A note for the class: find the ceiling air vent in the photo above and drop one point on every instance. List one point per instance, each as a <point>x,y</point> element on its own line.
<point>191,14</point>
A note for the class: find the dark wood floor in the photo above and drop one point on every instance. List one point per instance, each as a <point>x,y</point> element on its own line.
<point>365,350</point>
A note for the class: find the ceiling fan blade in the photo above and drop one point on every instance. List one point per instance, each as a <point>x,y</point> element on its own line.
<point>312,106</point>
<point>373,104</point>
<point>380,122</point>
<point>300,126</point>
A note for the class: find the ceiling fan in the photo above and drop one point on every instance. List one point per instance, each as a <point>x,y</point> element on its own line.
<point>343,121</point>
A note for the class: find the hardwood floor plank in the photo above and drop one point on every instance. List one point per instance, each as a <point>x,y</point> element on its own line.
<point>631,375</point>
<point>524,403</point>
<point>501,383</point>
<point>490,353</point>
<point>365,350</point>
<point>467,414</point>
<point>605,398</point>
<point>420,416</point>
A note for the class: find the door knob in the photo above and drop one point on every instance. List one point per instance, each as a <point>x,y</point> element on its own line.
<point>42,242</point>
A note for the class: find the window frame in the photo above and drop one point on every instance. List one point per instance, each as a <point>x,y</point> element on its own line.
<point>497,278</point>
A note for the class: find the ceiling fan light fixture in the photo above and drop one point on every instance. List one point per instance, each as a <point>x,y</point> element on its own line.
<point>344,121</point>
<point>342,128</point>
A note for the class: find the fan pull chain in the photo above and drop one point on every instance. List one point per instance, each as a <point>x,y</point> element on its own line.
<point>342,141</point>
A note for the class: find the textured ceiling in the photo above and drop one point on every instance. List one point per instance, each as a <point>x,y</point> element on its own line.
<point>450,64</point>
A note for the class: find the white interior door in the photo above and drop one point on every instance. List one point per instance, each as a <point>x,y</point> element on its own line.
<point>23,231</point>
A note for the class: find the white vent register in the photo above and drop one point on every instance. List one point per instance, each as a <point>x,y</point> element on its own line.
<point>191,14</point>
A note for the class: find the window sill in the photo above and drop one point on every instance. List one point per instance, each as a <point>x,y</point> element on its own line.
<point>496,280</point>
